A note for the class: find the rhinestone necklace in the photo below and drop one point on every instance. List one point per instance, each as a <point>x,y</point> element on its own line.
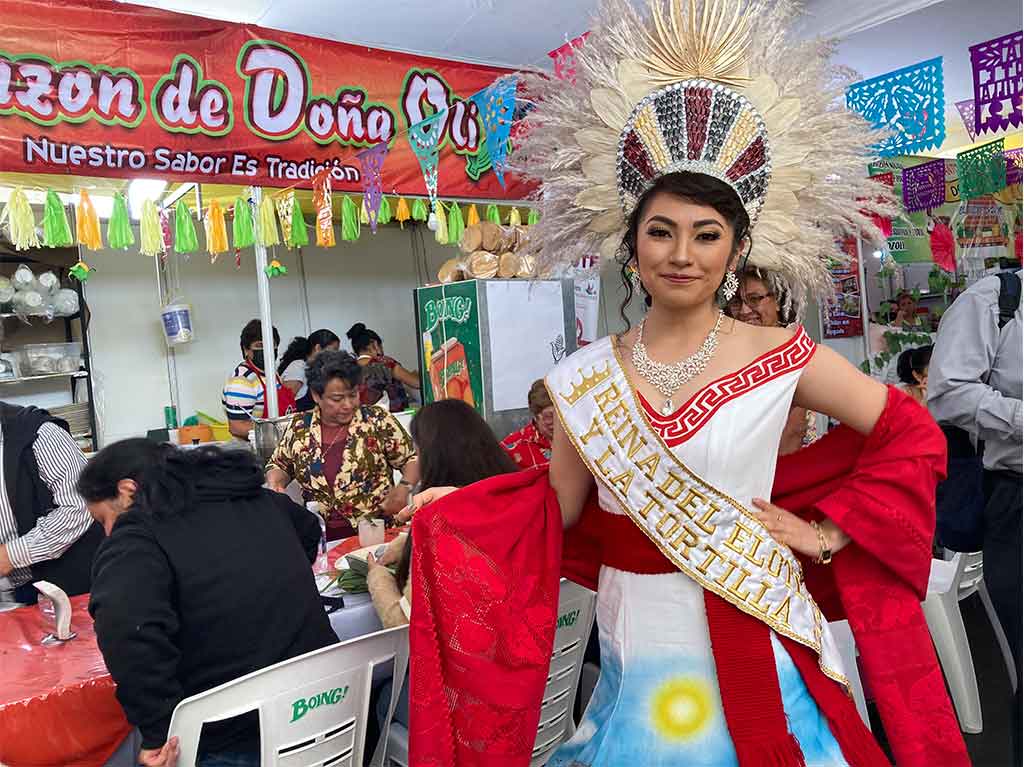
<point>668,379</point>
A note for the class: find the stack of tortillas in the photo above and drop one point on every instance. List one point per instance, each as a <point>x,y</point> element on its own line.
<point>489,250</point>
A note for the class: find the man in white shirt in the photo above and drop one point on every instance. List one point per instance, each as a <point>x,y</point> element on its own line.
<point>975,384</point>
<point>46,532</point>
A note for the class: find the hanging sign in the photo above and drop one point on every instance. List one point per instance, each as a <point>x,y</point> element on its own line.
<point>103,88</point>
<point>842,318</point>
<point>996,66</point>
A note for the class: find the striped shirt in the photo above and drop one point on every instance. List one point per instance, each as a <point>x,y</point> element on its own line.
<point>243,397</point>
<point>60,462</point>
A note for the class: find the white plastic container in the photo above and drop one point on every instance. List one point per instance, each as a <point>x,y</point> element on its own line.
<point>65,303</point>
<point>177,323</point>
<point>6,291</point>
<point>23,278</point>
<point>49,282</point>
<point>28,302</point>
<point>40,359</point>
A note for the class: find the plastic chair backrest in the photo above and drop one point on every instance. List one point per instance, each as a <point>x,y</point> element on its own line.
<point>970,572</point>
<point>312,708</point>
<point>575,621</point>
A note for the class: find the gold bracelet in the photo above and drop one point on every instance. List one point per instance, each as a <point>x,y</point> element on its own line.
<point>824,552</point>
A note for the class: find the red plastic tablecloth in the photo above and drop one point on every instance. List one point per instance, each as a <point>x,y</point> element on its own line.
<point>57,704</point>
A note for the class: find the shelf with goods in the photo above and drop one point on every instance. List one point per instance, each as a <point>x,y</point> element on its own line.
<point>31,382</point>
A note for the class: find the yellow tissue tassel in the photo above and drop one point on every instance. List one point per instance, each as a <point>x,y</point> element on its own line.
<point>441,233</point>
<point>402,213</point>
<point>216,229</point>
<point>151,234</point>
<point>514,219</point>
<point>21,224</point>
<point>473,216</point>
<point>87,223</point>
<point>268,222</point>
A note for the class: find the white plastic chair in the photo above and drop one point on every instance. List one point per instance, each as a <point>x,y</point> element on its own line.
<point>949,582</point>
<point>312,708</point>
<point>843,635</point>
<point>978,584</point>
<point>575,620</point>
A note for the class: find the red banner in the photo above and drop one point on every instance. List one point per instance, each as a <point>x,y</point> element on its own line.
<point>98,88</point>
<point>843,318</point>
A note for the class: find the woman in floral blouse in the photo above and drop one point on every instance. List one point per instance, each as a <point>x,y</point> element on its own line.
<point>344,454</point>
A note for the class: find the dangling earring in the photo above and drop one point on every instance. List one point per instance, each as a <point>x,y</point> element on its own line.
<point>634,276</point>
<point>730,286</point>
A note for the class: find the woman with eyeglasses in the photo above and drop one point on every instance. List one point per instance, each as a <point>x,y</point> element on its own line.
<point>764,299</point>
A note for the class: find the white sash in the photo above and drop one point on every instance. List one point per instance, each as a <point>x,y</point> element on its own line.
<point>709,536</point>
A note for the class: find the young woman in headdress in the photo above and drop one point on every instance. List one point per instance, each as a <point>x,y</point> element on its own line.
<point>695,141</point>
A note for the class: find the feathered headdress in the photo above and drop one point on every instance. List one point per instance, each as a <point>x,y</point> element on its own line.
<point>715,87</point>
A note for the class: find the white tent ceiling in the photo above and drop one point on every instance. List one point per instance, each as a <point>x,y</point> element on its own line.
<point>515,34</point>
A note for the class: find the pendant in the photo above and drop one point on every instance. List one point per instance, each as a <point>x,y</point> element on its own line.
<point>666,409</point>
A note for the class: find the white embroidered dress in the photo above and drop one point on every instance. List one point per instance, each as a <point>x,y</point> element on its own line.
<point>657,702</point>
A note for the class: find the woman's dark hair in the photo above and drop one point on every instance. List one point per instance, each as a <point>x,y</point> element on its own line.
<point>170,481</point>
<point>127,459</point>
<point>361,337</point>
<point>913,361</point>
<point>300,348</point>
<point>253,332</point>
<point>693,187</point>
<point>456,448</point>
<point>328,365</point>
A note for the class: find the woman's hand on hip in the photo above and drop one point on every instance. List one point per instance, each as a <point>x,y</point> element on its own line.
<point>788,529</point>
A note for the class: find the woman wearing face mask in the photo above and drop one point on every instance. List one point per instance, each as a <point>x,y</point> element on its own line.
<point>715,649</point>
<point>383,377</point>
<point>763,299</point>
<point>344,454</point>
<point>297,356</point>
<point>245,393</point>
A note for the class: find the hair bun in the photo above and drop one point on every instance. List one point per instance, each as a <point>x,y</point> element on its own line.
<point>356,330</point>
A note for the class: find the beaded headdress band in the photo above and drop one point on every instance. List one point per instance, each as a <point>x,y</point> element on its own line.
<point>700,127</point>
<point>703,86</point>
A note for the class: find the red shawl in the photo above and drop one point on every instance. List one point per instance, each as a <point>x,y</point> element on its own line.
<point>484,607</point>
<point>485,603</point>
<point>880,490</point>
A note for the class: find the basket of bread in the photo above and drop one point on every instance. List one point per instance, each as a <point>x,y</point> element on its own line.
<point>489,251</point>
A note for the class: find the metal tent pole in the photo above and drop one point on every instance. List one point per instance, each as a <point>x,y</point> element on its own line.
<point>263,291</point>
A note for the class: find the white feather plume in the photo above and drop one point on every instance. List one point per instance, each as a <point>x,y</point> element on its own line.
<point>819,191</point>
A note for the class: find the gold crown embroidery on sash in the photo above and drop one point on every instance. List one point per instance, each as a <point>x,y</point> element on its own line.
<point>588,383</point>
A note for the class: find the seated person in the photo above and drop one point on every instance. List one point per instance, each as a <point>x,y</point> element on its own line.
<point>912,368</point>
<point>245,393</point>
<point>204,577</point>
<point>45,531</point>
<point>456,448</point>
<point>531,445</point>
<point>344,454</point>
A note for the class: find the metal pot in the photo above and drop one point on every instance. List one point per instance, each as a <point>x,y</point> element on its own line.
<point>267,432</point>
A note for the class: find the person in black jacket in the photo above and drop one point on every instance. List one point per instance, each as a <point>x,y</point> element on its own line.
<point>45,530</point>
<point>205,577</point>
